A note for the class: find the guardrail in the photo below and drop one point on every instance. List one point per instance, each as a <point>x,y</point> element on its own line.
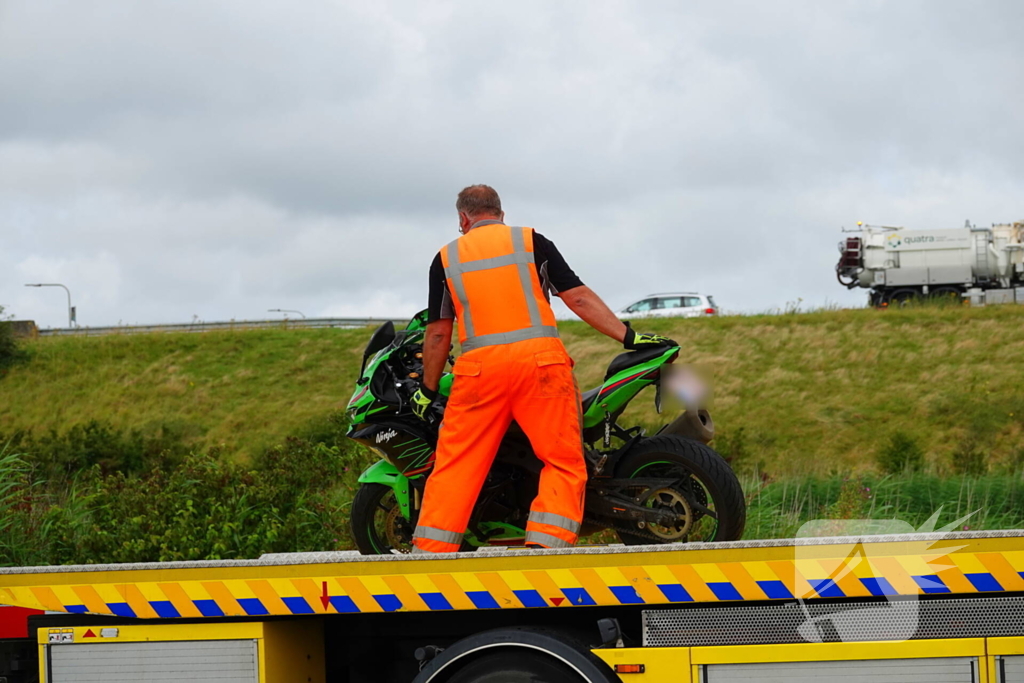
<point>289,324</point>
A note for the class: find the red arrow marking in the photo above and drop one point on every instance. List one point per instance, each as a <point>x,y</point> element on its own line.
<point>89,634</point>
<point>557,601</point>
<point>325,599</point>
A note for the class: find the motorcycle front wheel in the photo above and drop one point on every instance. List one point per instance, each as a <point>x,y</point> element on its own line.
<point>378,525</point>
<point>705,495</point>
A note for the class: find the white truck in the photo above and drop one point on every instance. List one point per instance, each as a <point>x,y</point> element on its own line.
<point>983,265</point>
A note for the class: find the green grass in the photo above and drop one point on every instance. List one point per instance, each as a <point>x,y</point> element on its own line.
<point>832,414</point>
<point>237,391</point>
<point>801,394</point>
<point>777,509</point>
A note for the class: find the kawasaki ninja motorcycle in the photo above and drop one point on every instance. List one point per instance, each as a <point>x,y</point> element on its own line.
<point>665,488</point>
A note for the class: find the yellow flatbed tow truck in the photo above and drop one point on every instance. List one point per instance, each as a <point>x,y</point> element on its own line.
<point>903,608</point>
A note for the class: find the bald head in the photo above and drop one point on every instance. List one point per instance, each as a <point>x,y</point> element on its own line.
<point>479,201</point>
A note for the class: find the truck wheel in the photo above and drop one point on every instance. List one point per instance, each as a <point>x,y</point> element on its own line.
<point>516,667</point>
<point>709,500</point>
<point>904,297</point>
<point>946,295</point>
<point>521,654</point>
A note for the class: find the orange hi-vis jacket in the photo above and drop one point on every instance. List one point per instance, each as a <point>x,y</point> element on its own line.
<point>514,367</point>
<point>497,295</point>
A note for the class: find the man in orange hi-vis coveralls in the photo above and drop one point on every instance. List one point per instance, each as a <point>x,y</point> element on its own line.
<point>494,281</point>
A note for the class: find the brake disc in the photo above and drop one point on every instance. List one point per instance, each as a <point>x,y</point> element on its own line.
<point>396,530</point>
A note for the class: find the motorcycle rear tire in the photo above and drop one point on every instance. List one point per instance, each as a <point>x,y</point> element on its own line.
<point>707,466</point>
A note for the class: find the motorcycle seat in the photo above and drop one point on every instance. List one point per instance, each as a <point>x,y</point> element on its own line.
<point>631,358</point>
<point>587,398</point>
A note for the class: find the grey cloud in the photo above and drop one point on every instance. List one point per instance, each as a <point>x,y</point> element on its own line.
<point>224,158</point>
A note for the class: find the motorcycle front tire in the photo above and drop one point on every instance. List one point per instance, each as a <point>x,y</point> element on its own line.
<point>371,504</point>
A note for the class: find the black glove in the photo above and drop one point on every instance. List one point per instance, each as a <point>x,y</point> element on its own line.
<point>422,400</point>
<point>635,341</point>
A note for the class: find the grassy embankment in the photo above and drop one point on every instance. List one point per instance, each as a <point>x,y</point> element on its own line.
<point>806,404</point>
<point>814,393</point>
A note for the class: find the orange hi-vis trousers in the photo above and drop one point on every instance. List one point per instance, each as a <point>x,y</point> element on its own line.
<point>530,382</point>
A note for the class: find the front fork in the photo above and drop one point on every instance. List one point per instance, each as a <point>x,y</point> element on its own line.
<point>409,494</point>
<point>388,475</point>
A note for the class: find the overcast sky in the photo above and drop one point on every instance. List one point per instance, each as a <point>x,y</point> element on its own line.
<point>178,158</point>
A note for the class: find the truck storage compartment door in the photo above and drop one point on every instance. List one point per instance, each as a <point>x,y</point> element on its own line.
<point>1011,669</point>
<point>948,275</point>
<point>903,277</point>
<point>932,670</point>
<point>210,661</point>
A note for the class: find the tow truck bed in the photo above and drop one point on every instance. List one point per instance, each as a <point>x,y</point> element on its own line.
<point>704,599</point>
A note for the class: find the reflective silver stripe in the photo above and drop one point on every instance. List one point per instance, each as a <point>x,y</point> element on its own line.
<point>433,534</point>
<point>487,263</point>
<point>546,540</point>
<point>519,258</point>
<point>519,246</point>
<point>508,337</point>
<point>551,519</point>
<point>460,287</point>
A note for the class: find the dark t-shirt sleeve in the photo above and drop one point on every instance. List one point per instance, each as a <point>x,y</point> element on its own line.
<point>439,301</point>
<point>554,272</point>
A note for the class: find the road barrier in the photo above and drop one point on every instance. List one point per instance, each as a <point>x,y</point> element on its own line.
<point>288,324</point>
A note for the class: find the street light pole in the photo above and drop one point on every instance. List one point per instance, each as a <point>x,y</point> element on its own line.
<point>71,315</point>
<point>285,310</point>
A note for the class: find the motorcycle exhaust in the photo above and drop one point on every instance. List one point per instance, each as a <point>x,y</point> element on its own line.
<point>693,424</point>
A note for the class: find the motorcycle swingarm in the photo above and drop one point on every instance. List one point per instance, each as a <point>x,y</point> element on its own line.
<point>608,498</point>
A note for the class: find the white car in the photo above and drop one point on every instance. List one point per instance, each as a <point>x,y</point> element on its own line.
<point>671,305</point>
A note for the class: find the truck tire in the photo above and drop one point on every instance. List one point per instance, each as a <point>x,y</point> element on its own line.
<point>520,654</point>
<point>904,297</point>
<point>711,483</point>
<point>516,667</point>
<point>949,295</point>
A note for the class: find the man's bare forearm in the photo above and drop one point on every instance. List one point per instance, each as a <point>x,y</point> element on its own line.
<point>437,342</point>
<point>592,310</point>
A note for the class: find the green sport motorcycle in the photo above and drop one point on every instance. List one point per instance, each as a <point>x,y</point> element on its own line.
<point>666,488</point>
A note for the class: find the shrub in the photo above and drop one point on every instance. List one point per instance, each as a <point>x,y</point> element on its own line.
<point>58,456</point>
<point>732,446</point>
<point>9,351</point>
<point>901,454</point>
<point>852,503</point>
<point>292,498</point>
<point>12,480</point>
<point>969,459</point>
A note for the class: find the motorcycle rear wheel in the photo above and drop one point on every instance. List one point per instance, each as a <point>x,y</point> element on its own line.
<point>709,501</point>
<point>378,526</point>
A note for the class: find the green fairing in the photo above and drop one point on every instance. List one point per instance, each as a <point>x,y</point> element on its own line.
<point>504,531</point>
<point>418,322</point>
<point>618,398</point>
<point>384,473</point>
